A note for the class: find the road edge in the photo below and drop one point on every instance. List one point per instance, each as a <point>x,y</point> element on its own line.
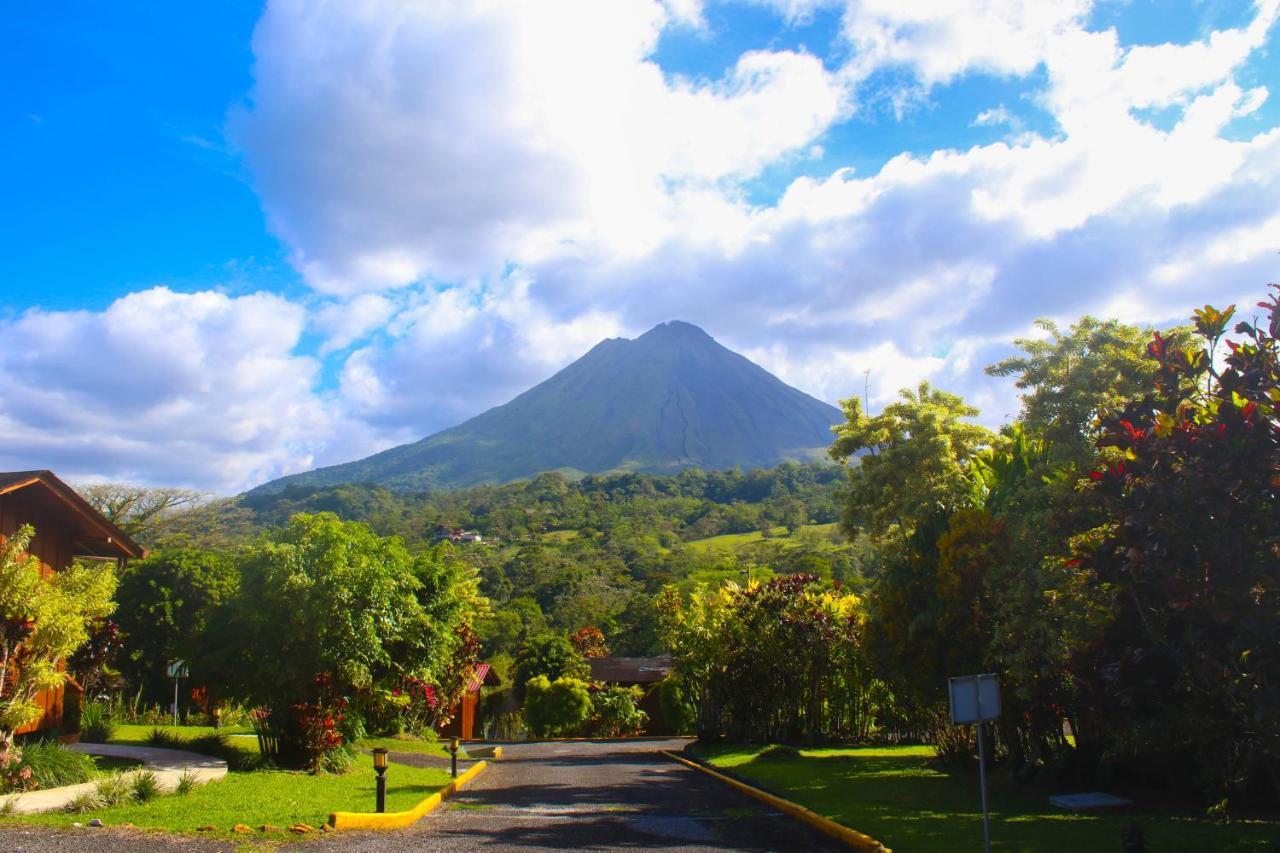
<point>399,820</point>
<point>840,832</point>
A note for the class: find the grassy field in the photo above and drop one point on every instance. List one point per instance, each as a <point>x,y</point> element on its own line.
<point>897,796</point>
<point>274,797</point>
<point>733,541</point>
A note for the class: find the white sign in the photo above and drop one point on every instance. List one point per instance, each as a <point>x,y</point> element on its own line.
<point>974,698</point>
<point>177,669</point>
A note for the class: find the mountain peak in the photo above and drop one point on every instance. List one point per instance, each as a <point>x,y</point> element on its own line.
<point>676,329</point>
<point>670,399</point>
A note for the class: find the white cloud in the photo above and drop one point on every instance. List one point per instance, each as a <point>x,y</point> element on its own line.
<point>394,142</point>
<point>195,389</point>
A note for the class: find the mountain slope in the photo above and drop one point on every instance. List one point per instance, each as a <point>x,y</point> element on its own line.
<point>671,399</point>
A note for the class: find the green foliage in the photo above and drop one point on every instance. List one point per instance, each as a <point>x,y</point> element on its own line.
<point>1072,378</point>
<point>557,708</point>
<point>42,621</point>
<point>678,709</point>
<point>326,611</point>
<point>114,790</point>
<point>96,723</point>
<point>915,461</point>
<point>780,661</point>
<point>53,766</point>
<point>551,656</point>
<point>616,712</point>
<point>145,785</point>
<point>1187,559</point>
<point>164,603</point>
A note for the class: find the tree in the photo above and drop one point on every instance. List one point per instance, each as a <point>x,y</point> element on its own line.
<point>42,621</point>
<point>915,463</point>
<point>140,511</point>
<point>330,615</point>
<point>1071,378</point>
<point>589,642</point>
<point>615,711</point>
<point>1189,481</point>
<point>556,708</point>
<point>550,655</point>
<point>164,604</point>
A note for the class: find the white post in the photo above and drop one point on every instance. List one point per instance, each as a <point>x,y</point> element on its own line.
<point>175,698</point>
<point>982,771</point>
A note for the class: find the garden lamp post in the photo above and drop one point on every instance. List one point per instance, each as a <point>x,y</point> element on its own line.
<point>453,757</point>
<point>380,766</point>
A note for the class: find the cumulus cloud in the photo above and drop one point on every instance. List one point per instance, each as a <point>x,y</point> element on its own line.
<point>394,142</point>
<point>196,389</point>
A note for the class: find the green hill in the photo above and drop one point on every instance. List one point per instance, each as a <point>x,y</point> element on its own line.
<point>671,399</point>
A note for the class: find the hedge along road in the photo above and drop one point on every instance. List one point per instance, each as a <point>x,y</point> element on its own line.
<point>596,795</point>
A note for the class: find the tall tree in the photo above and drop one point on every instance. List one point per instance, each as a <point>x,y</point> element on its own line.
<point>1071,378</point>
<point>914,460</point>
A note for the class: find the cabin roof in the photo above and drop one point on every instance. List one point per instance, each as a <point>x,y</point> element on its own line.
<point>92,535</point>
<point>630,670</point>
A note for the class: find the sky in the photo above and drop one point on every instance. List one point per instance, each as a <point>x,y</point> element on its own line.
<point>241,240</point>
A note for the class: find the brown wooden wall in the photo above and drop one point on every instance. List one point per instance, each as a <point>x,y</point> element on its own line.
<point>463,724</point>
<point>52,546</point>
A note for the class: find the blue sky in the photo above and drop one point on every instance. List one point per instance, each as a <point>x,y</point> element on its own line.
<point>298,232</point>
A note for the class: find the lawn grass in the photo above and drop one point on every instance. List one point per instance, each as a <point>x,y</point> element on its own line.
<point>137,734</point>
<point>275,797</point>
<point>105,765</point>
<point>900,797</point>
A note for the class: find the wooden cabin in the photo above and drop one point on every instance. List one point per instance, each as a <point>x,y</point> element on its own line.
<point>66,527</point>
<point>463,724</point>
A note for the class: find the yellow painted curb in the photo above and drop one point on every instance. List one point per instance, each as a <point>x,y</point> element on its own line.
<point>399,820</point>
<point>851,837</point>
<point>493,753</point>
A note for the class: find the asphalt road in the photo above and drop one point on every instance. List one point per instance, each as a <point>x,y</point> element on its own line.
<point>594,795</point>
<point>587,795</point>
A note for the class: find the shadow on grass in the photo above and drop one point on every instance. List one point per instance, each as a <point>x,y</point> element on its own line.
<point>911,804</point>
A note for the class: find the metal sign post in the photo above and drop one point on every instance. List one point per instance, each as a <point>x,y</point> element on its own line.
<point>177,669</point>
<point>976,699</point>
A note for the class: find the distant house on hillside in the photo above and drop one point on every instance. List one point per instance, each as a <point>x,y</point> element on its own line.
<point>66,527</point>
<point>645,673</point>
<point>445,533</point>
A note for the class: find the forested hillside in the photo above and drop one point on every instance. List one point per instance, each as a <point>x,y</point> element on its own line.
<point>564,554</point>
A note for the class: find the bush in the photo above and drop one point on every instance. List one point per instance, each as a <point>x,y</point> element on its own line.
<point>145,785</point>
<point>96,723</point>
<point>53,766</point>
<point>617,713</point>
<point>556,708</point>
<point>187,783</point>
<point>678,713</point>
<point>14,775</point>
<point>779,752</point>
<point>114,790</point>
<point>85,801</point>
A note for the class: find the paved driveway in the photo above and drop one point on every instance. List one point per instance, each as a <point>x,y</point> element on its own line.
<point>594,795</point>
<point>588,795</point>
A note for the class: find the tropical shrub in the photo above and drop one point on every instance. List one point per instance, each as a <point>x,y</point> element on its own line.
<point>327,618</point>
<point>1187,555</point>
<point>775,662</point>
<point>678,711</point>
<point>14,774</point>
<point>615,711</point>
<point>53,766</point>
<point>96,723</point>
<point>42,621</point>
<point>550,655</point>
<point>556,708</point>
